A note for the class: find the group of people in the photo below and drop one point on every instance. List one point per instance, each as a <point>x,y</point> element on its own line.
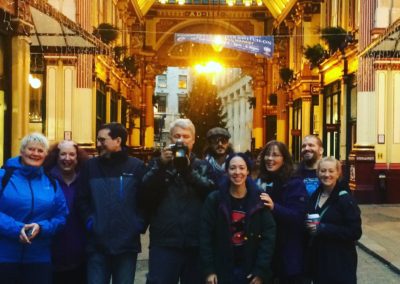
<point>65,218</point>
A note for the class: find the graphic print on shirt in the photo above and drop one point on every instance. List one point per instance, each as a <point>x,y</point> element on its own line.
<point>237,227</point>
<point>311,184</point>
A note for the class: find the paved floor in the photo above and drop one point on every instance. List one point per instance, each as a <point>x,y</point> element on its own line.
<point>379,246</point>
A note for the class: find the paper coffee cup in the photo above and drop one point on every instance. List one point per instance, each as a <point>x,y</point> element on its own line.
<point>313,218</point>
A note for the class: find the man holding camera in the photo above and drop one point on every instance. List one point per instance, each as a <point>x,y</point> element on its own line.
<point>173,192</point>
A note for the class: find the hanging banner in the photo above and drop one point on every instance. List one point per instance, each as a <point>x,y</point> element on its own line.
<point>262,45</point>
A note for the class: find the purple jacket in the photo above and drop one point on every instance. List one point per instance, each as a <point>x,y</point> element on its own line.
<point>290,203</point>
<point>68,250</point>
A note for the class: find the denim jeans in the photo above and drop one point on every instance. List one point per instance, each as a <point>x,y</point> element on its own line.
<point>173,266</point>
<point>121,268</point>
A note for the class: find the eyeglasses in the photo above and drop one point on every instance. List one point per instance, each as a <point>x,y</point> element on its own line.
<point>272,156</point>
<point>102,139</point>
<point>216,140</point>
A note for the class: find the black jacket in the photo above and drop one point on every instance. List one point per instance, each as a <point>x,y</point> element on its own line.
<point>216,250</point>
<point>107,201</point>
<point>332,256</point>
<point>174,200</point>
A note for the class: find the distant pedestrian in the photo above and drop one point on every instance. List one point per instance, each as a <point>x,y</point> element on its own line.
<point>174,189</point>
<point>311,154</point>
<point>32,210</point>
<point>286,196</point>
<point>68,250</point>
<point>332,255</point>
<point>218,149</point>
<point>237,236</point>
<point>107,199</point>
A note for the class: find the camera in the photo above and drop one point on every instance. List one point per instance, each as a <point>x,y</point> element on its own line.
<point>180,151</point>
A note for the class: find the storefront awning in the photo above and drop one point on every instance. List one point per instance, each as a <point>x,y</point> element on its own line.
<point>386,45</point>
<point>53,32</point>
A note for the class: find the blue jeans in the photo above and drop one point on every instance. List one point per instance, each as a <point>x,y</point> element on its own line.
<point>174,265</point>
<point>102,267</point>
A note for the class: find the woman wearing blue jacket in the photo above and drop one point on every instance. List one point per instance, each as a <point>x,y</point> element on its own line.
<point>286,196</point>
<point>32,209</point>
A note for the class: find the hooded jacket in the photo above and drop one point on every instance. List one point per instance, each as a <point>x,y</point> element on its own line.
<point>29,197</point>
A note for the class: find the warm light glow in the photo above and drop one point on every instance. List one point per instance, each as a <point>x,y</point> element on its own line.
<point>218,43</point>
<point>259,2</point>
<point>181,2</point>
<point>34,82</point>
<point>230,2</point>
<point>163,1</point>
<point>247,3</point>
<point>210,67</point>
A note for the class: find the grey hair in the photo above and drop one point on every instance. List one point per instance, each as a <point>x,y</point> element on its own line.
<point>184,123</point>
<point>337,163</point>
<point>35,137</point>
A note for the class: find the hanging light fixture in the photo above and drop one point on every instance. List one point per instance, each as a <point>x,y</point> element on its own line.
<point>247,3</point>
<point>163,1</point>
<point>181,2</point>
<point>259,2</point>
<point>230,2</point>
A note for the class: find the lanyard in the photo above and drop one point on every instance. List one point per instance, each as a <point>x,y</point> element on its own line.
<point>316,205</point>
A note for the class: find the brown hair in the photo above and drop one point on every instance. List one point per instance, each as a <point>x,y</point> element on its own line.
<point>54,151</point>
<point>287,168</point>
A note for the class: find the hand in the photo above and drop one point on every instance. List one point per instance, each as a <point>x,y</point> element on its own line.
<point>24,238</point>
<point>267,200</point>
<point>212,279</point>
<point>166,155</point>
<point>311,227</point>
<point>255,280</point>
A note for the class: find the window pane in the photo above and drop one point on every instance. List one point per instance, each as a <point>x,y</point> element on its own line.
<point>162,81</point>
<point>182,84</point>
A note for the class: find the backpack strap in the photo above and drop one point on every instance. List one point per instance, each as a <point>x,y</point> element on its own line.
<point>6,178</point>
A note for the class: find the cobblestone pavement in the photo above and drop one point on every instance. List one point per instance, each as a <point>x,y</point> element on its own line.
<point>370,271</point>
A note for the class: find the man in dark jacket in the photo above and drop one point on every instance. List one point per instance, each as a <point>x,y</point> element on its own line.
<point>174,189</point>
<point>107,202</point>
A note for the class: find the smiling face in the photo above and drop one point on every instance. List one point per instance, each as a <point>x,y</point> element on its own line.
<point>238,171</point>
<point>273,159</point>
<point>311,151</point>
<point>328,174</point>
<point>33,154</point>
<point>67,157</point>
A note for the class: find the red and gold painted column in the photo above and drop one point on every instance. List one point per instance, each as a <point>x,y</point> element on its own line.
<point>258,88</point>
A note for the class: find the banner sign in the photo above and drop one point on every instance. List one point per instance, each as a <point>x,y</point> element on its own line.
<point>262,45</point>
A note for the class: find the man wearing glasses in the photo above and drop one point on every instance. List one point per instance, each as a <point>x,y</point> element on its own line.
<point>218,150</point>
<point>107,202</point>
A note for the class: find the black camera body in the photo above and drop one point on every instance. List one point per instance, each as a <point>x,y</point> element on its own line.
<point>180,152</point>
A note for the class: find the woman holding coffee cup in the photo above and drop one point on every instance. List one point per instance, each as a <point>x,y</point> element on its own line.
<point>334,225</point>
<point>286,196</point>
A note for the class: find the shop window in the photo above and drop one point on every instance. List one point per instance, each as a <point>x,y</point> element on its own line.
<point>124,112</point>
<point>296,130</point>
<point>332,119</point>
<point>114,106</point>
<point>182,84</point>
<point>36,103</point>
<point>100,104</point>
<point>162,81</point>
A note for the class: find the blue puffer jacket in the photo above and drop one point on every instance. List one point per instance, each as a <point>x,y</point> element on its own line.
<point>29,197</point>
